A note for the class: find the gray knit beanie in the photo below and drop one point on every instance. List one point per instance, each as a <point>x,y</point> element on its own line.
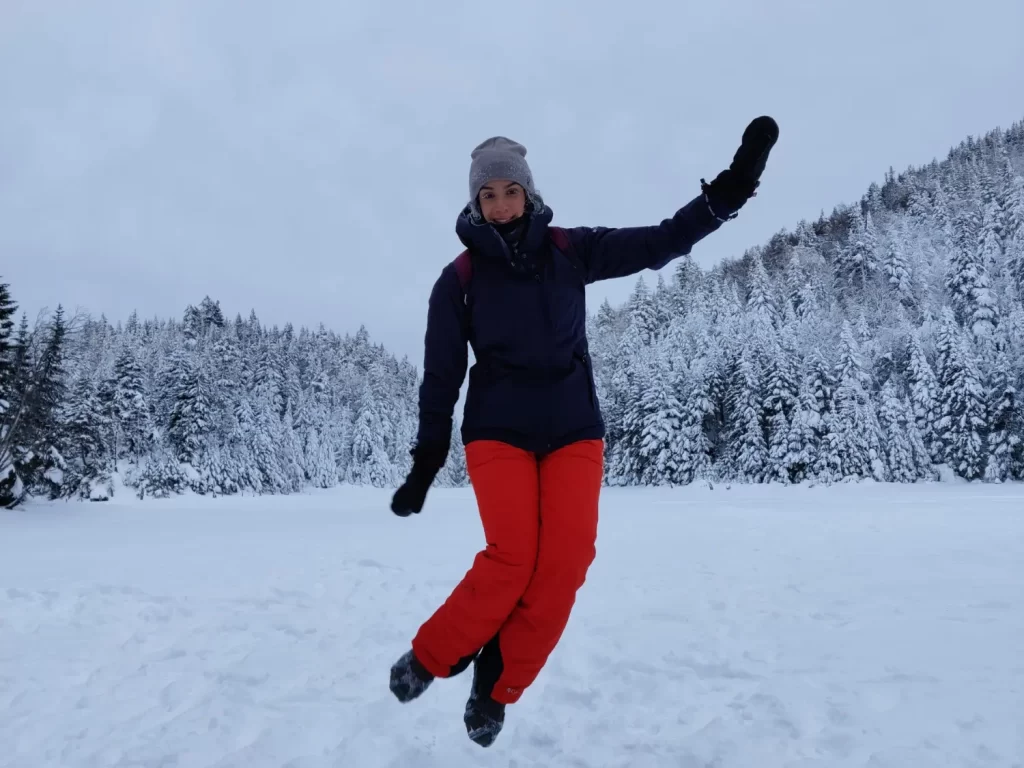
<point>499,158</point>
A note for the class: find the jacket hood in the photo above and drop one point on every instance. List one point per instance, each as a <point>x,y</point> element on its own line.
<point>481,238</point>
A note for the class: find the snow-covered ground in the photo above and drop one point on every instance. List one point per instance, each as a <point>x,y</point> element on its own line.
<point>857,625</point>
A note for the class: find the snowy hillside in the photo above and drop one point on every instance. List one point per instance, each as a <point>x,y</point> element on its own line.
<point>865,625</point>
<point>881,341</point>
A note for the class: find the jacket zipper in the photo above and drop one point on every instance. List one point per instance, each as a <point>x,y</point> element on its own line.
<point>538,278</point>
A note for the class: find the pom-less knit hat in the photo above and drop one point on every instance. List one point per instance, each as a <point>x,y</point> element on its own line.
<point>499,158</point>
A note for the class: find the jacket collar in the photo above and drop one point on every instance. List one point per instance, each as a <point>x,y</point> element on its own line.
<point>483,239</point>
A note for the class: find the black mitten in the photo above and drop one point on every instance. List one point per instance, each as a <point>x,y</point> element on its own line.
<point>427,461</point>
<point>758,140</point>
<point>731,189</point>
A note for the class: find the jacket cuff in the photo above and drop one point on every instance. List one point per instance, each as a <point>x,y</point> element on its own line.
<point>719,215</point>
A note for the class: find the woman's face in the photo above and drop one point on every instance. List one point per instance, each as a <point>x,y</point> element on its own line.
<point>502,201</point>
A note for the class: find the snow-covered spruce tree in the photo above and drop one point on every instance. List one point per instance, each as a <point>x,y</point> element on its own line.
<point>40,378</point>
<point>190,418</point>
<point>761,308</point>
<point>239,451</point>
<point>340,432</point>
<point>798,280</point>
<point>908,460</point>
<point>855,433</point>
<point>924,399</point>
<point>662,303</point>
<point>370,462</point>
<point>620,383</point>
<point>642,327</point>
<point>266,437</point>
<point>660,419</point>
<point>10,484</point>
<point>967,278</point>
<point>312,424</point>
<point>627,457</point>
<point>160,476</point>
<point>1005,422</point>
<point>1010,198</point>
<point>268,378</point>
<point>290,455</point>
<point>383,393</point>
<point>131,414</point>
<point>962,422</point>
<point>990,242</point>
<point>7,310</point>
<point>857,261</point>
<point>781,402</point>
<point>1013,233</point>
<point>715,373</point>
<point>86,469</point>
<point>688,281</point>
<point>810,422</point>
<point>747,459</point>
<point>897,266</point>
<point>690,444</point>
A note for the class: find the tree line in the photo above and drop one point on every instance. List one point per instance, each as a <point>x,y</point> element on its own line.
<point>884,341</point>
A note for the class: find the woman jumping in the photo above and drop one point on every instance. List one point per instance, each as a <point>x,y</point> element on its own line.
<point>532,425</point>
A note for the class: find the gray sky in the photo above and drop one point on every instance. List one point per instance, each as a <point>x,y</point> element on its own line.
<point>308,159</point>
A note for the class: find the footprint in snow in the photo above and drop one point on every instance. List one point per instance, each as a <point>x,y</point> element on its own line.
<point>169,655</point>
<point>291,631</point>
<point>367,563</point>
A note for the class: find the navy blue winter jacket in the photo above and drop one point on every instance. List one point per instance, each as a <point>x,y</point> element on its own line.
<point>532,384</point>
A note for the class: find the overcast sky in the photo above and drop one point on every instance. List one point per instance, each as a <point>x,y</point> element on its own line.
<point>308,160</point>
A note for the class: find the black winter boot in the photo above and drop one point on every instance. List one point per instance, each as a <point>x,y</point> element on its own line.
<point>484,719</point>
<point>409,678</point>
<point>484,716</point>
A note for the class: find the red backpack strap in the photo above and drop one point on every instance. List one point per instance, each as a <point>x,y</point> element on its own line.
<point>561,240</point>
<point>464,269</point>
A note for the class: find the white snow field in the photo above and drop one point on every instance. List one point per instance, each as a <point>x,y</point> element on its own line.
<point>854,625</point>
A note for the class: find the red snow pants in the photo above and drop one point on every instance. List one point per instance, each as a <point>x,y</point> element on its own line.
<point>540,522</point>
